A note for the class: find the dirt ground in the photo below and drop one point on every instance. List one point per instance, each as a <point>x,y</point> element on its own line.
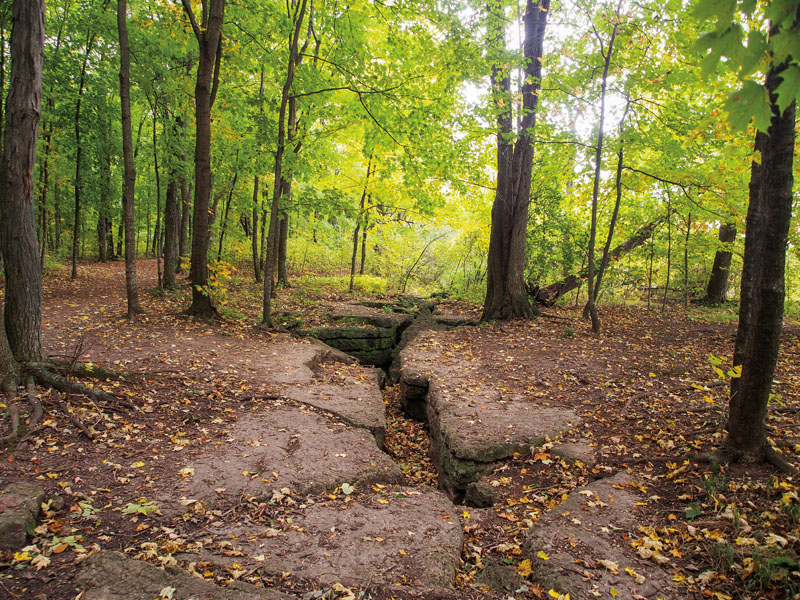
<point>646,391</point>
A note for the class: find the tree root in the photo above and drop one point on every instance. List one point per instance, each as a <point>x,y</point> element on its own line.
<point>34,405</point>
<point>75,420</point>
<point>13,433</point>
<point>54,380</point>
<point>78,369</point>
<point>766,454</point>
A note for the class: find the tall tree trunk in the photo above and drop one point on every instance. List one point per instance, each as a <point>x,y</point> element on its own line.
<point>79,155</point>
<point>686,263</point>
<point>157,231</point>
<point>57,215</point>
<point>356,231</point>
<point>20,249</point>
<point>768,231</point>
<point>364,243</point>
<point>669,252</point>
<point>110,241</point>
<point>590,282</point>
<point>256,261</point>
<point>506,296</point>
<point>102,239</point>
<point>209,40</point>
<point>612,225</point>
<point>283,247</point>
<point>226,210</point>
<point>129,177</point>
<point>297,17</point>
<point>717,289</point>
<point>186,211</point>
<point>172,214</point>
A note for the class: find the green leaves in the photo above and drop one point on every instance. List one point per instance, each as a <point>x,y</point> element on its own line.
<point>752,56</point>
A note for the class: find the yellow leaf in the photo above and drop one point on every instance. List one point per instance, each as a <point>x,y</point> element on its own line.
<point>524,568</point>
<point>613,591</point>
<point>138,464</point>
<point>553,594</point>
<point>652,374</point>
<point>22,556</point>
<point>543,555</point>
<point>383,501</point>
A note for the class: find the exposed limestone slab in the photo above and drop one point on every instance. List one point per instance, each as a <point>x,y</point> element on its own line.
<point>113,576</point>
<point>415,538</point>
<point>358,401</point>
<point>288,447</point>
<point>593,522</point>
<point>20,504</point>
<point>367,315</point>
<point>370,345</point>
<point>472,424</point>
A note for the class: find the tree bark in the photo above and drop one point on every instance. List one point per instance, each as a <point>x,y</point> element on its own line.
<point>590,282</point>
<point>156,251</point>
<point>272,236</point>
<point>283,247</point>
<point>209,41</point>
<point>256,261</point>
<point>129,177</point>
<point>102,239</point>
<point>717,289</point>
<point>78,156</point>
<point>186,211</point>
<point>506,296</point>
<point>768,233</point>
<point>172,218</point>
<point>20,249</point>
<point>357,229</point>
<point>224,224</point>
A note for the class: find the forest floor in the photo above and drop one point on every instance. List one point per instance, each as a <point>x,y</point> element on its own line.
<point>170,483</point>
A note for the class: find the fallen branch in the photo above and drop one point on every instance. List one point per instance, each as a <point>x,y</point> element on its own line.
<point>75,420</point>
<point>83,370</point>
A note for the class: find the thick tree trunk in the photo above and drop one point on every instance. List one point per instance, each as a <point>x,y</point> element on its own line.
<point>717,289</point>
<point>129,177</point>
<point>171,229</point>
<point>57,215</point>
<point>102,239</point>
<point>768,240</point>
<point>9,369</point>
<point>20,249</point>
<point>506,295</point>
<point>209,40</point>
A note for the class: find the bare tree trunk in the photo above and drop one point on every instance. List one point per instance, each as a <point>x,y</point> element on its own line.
<point>172,213</point>
<point>686,263</point>
<point>590,282</point>
<point>157,231</point>
<point>78,156</point>
<point>669,251</point>
<point>129,177</point>
<point>506,296</point>
<point>186,211</point>
<point>256,261</point>
<point>618,187</point>
<point>650,273</point>
<point>57,215</point>
<point>364,243</point>
<point>272,237</point>
<point>209,40</point>
<point>717,289</point>
<point>224,224</point>
<point>102,239</point>
<point>358,226</point>
<point>20,249</point>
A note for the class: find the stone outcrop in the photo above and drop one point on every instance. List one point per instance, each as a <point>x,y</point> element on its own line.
<point>20,504</point>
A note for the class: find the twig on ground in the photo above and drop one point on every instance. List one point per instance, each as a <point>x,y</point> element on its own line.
<point>75,420</point>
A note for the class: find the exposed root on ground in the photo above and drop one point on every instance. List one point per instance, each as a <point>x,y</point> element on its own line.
<point>766,454</point>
